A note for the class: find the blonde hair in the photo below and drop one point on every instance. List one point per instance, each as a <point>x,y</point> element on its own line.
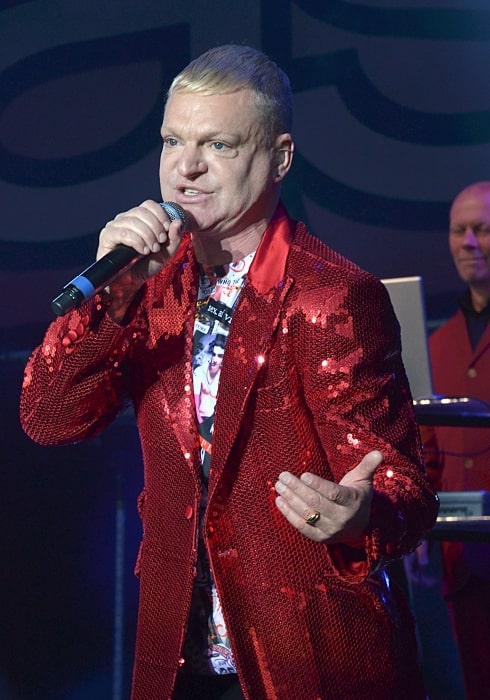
<point>232,67</point>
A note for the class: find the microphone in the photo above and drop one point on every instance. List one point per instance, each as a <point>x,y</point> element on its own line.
<point>105,270</point>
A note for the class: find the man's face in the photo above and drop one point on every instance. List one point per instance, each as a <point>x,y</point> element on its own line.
<point>216,359</point>
<point>469,236</point>
<point>215,164</point>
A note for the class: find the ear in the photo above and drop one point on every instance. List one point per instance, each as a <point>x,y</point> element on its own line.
<point>283,156</point>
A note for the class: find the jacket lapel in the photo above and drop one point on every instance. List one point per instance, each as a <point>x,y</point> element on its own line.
<point>251,337</point>
<point>248,345</point>
<point>483,346</point>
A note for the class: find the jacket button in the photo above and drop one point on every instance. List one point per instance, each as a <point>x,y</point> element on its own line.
<point>189,512</point>
<point>472,373</point>
<point>468,463</point>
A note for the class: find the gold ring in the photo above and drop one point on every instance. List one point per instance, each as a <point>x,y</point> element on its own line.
<point>313,518</point>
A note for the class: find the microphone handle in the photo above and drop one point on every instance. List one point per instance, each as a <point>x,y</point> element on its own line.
<point>83,287</point>
<point>104,271</point>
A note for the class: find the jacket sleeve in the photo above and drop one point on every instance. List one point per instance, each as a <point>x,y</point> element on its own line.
<point>74,382</point>
<point>358,393</point>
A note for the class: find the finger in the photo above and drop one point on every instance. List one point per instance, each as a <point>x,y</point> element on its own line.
<point>340,494</point>
<point>161,214</point>
<point>368,464</point>
<point>297,502</point>
<point>173,237</point>
<point>363,474</point>
<point>300,497</point>
<point>299,522</point>
<point>141,228</point>
<point>329,490</point>
<point>148,218</point>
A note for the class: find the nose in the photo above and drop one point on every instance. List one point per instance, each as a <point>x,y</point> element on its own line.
<point>191,162</point>
<point>470,240</point>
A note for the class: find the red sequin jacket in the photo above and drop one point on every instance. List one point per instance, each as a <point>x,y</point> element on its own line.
<point>311,380</point>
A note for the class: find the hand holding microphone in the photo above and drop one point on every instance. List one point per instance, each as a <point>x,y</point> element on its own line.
<point>130,237</point>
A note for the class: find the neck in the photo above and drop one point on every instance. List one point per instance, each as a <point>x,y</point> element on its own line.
<point>217,252</point>
<point>215,247</point>
<point>480,296</point>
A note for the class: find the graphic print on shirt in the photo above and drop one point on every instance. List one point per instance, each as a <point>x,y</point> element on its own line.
<point>217,299</point>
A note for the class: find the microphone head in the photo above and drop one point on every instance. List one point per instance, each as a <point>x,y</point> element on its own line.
<point>174,211</point>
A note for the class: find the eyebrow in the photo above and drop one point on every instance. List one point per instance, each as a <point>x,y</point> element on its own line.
<point>234,138</point>
<point>216,135</point>
<point>473,224</point>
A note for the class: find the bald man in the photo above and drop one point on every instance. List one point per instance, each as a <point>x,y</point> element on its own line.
<point>458,458</point>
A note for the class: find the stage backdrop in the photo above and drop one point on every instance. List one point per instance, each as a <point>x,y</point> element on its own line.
<point>392,119</point>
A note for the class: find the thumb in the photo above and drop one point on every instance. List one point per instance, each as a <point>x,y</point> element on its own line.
<point>364,471</point>
<point>174,237</point>
<point>370,462</point>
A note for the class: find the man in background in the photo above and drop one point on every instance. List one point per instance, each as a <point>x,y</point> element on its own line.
<point>458,458</point>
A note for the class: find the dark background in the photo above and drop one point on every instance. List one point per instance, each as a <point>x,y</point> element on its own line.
<point>392,120</point>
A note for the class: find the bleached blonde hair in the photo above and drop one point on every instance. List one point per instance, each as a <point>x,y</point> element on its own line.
<point>232,67</point>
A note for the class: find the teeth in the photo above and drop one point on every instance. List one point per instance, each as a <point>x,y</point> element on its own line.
<point>189,191</point>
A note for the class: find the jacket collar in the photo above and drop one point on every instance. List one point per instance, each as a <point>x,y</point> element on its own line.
<point>269,264</point>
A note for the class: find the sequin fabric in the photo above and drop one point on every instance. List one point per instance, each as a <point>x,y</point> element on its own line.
<point>311,380</point>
